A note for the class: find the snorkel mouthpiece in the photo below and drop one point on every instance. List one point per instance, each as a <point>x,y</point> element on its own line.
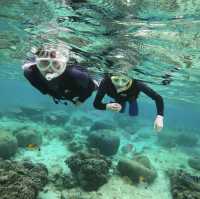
<point>50,76</point>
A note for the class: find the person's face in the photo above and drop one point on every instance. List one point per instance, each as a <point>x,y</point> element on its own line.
<point>120,82</point>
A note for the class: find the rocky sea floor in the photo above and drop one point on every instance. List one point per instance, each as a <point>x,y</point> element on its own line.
<point>51,155</point>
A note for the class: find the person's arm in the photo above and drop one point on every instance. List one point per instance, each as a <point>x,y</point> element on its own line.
<point>153,95</point>
<point>158,123</point>
<point>98,104</point>
<point>34,77</point>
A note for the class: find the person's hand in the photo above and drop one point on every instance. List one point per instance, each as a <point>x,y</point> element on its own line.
<point>158,123</point>
<point>116,107</point>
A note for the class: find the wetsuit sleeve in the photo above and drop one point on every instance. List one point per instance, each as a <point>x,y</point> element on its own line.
<point>82,80</point>
<point>153,95</point>
<point>34,78</point>
<point>84,95</point>
<point>100,95</point>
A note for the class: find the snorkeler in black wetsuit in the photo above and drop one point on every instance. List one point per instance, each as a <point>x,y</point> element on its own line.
<point>123,89</point>
<point>52,75</point>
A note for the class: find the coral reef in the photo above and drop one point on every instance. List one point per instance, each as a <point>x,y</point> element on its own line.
<point>184,185</point>
<point>8,144</point>
<point>28,136</point>
<point>69,181</point>
<point>90,170</point>
<point>137,171</point>
<point>21,180</point>
<point>75,146</point>
<point>105,141</point>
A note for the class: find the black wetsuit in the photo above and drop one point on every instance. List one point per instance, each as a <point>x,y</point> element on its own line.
<point>74,82</point>
<point>106,87</point>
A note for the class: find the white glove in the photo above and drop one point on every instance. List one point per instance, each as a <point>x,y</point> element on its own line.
<point>116,107</point>
<point>158,123</point>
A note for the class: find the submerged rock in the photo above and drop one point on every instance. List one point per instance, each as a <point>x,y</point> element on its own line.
<point>127,148</point>
<point>21,180</point>
<point>99,125</point>
<point>194,163</point>
<point>144,160</point>
<point>136,171</point>
<point>28,136</point>
<point>105,141</point>
<point>8,144</point>
<point>90,170</point>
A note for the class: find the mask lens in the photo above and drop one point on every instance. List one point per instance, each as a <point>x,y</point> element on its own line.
<point>116,80</point>
<point>56,65</point>
<point>43,64</point>
<point>124,81</point>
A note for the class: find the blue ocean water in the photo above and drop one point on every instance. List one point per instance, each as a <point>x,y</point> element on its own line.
<point>154,41</point>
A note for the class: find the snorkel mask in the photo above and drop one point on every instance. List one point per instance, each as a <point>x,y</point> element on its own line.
<point>51,63</point>
<point>121,83</point>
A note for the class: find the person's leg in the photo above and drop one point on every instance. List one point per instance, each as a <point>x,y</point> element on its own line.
<point>133,108</point>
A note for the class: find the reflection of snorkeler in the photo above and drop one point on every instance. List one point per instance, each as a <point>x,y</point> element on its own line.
<point>167,77</point>
<point>123,89</point>
<point>52,73</point>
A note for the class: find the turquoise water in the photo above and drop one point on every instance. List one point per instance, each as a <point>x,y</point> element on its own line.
<point>147,40</point>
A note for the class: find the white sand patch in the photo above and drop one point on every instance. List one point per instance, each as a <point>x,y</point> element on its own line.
<point>117,188</point>
<point>49,193</point>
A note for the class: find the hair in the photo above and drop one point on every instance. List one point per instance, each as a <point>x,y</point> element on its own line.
<point>64,50</point>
